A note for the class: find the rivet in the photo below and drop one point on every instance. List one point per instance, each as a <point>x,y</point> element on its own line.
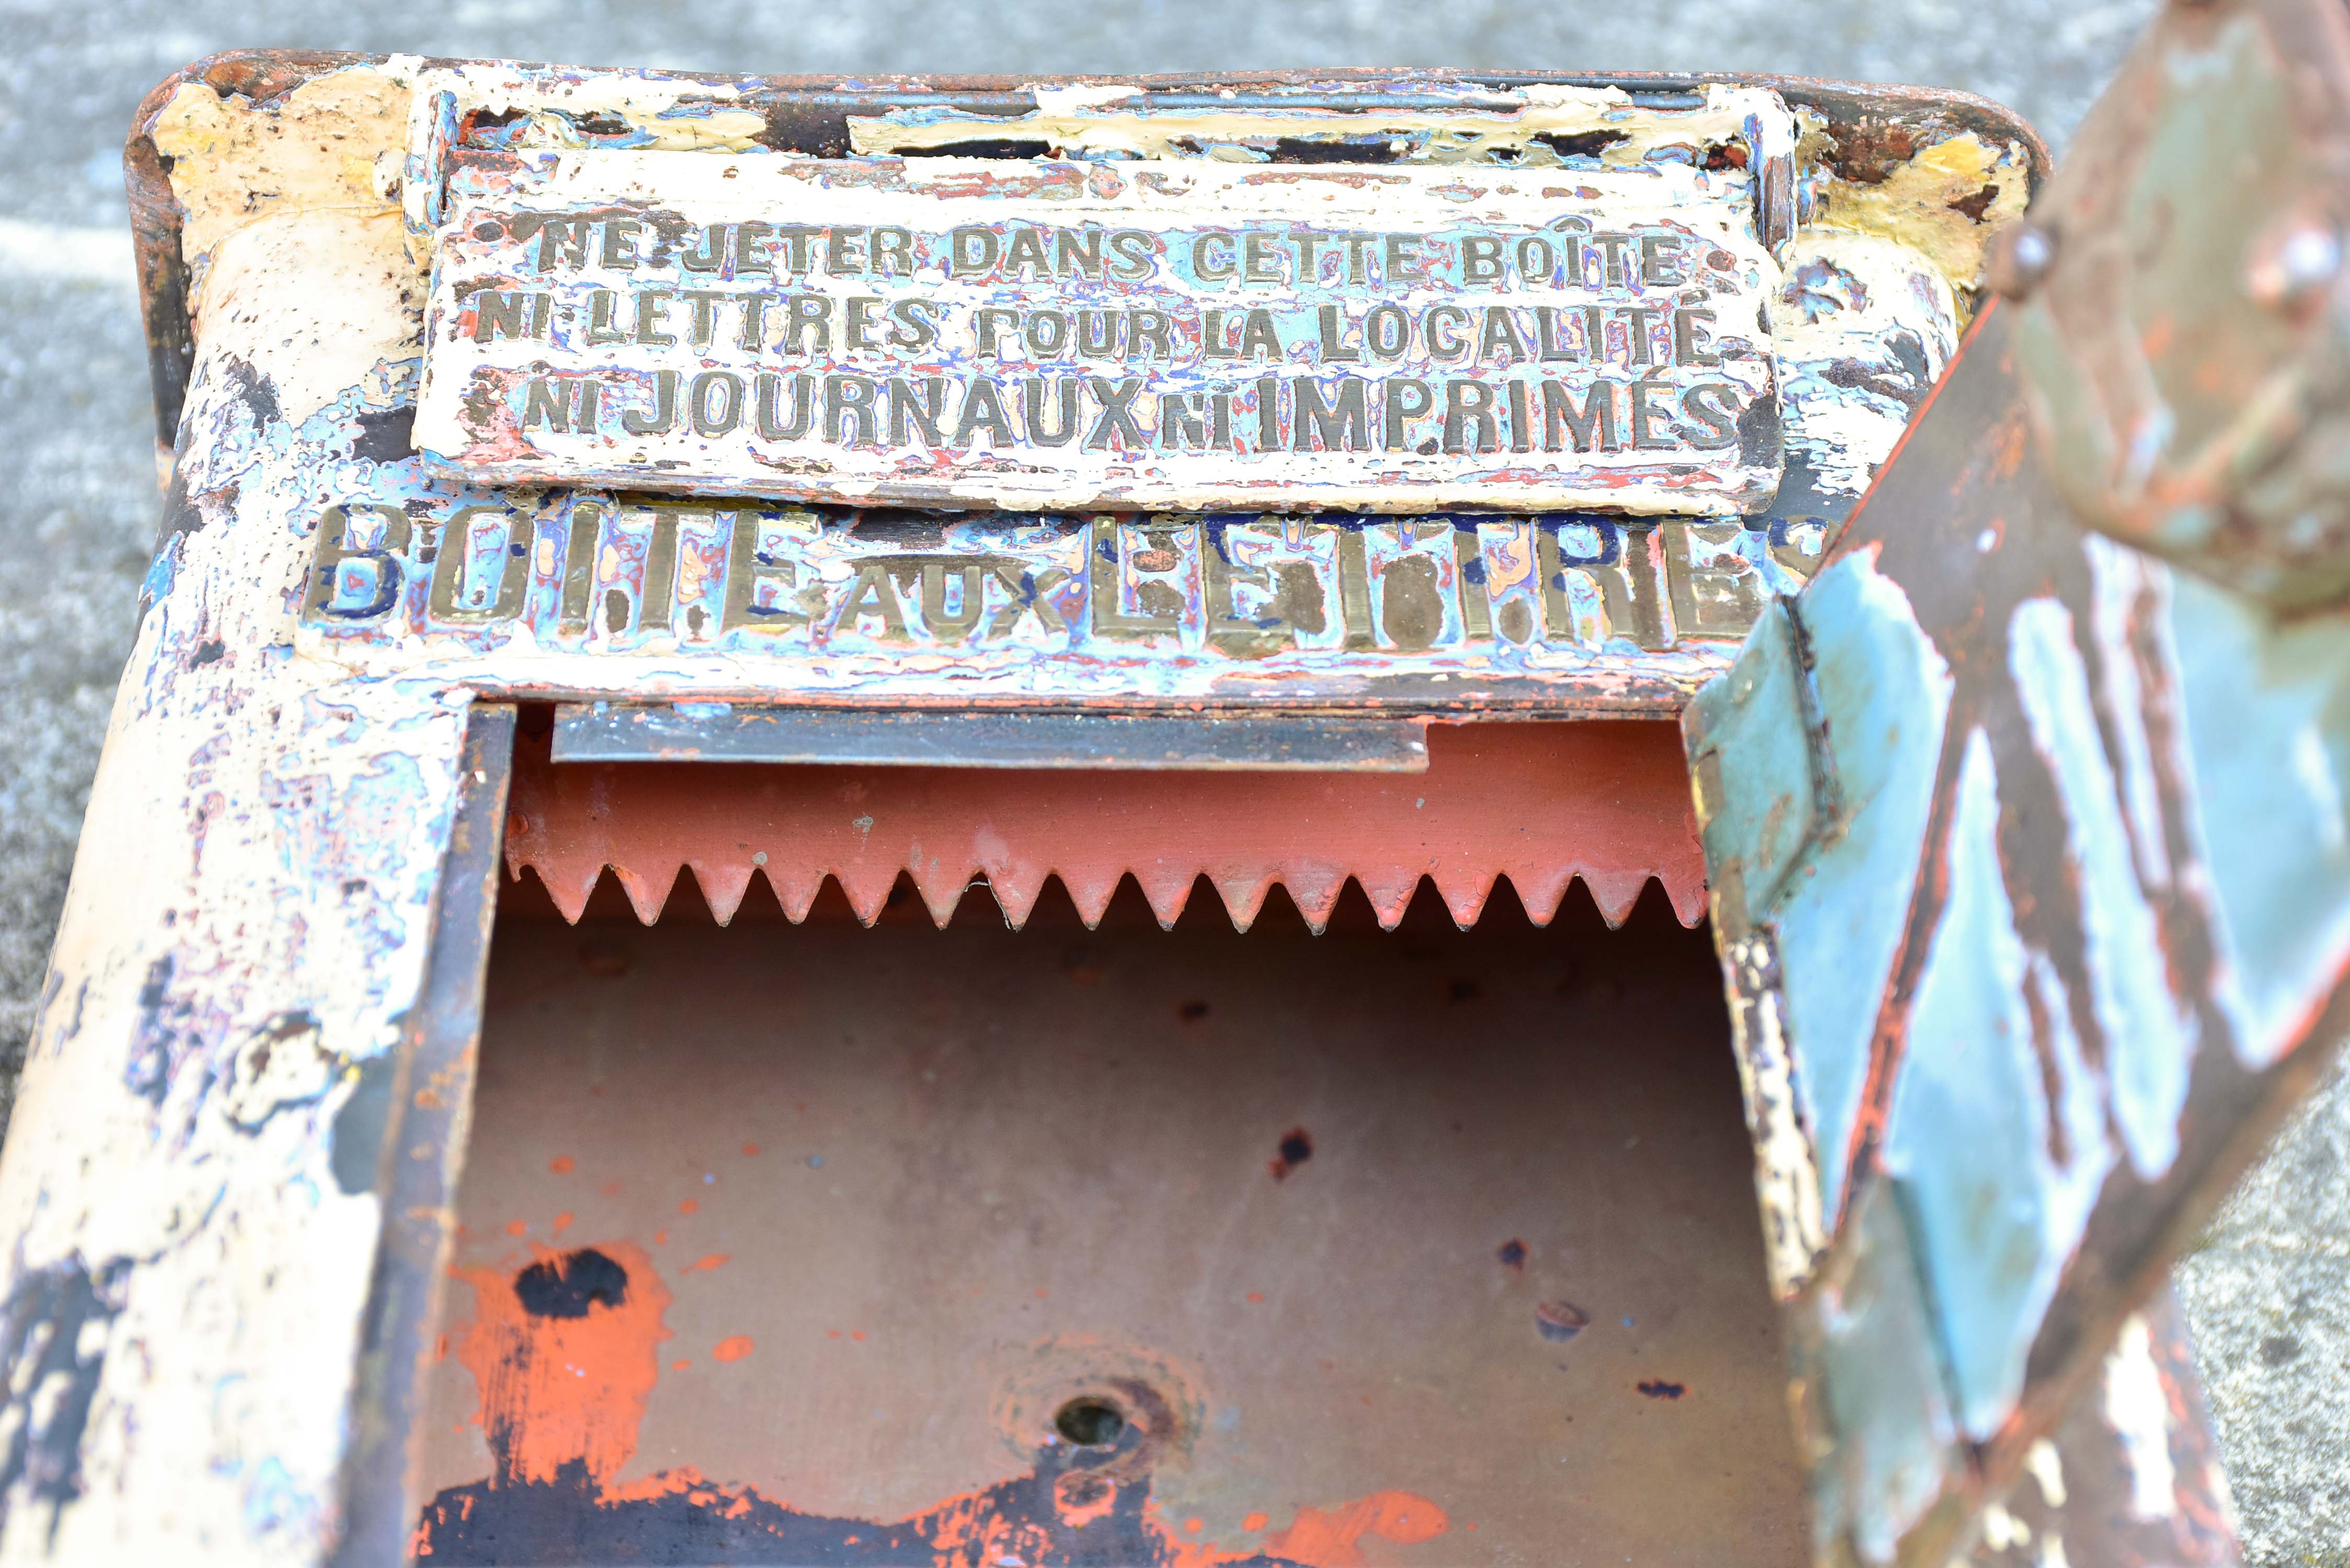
<point>2021,257</point>
<point>2293,265</point>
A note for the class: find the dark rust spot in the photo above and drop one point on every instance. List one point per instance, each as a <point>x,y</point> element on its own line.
<point>1657,1389</point>
<point>1296,1148</point>
<point>1512,1253</point>
<point>569,1285</point>
<point>1976,205</point>
<point>1411,607</point>
<point>984,146</point>
<point>1560,1321</point>
<point>1365,149</point>
<point>1582,144</point>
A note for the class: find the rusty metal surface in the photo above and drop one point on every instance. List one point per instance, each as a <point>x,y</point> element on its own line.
<point>2018,987</point>
<point>425,1105</point>
<point>1409,1248</point>
<point>2189,365</point>
<point>1541,804</point>
<point>2131,1476</point>
<point>606,733</point>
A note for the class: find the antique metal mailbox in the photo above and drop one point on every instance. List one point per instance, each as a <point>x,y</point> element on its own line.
<point>951,519</point>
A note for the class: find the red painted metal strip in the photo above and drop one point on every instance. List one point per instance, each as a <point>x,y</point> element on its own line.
<point>1541,804</point>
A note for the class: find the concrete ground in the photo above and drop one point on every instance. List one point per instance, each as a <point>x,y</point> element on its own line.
<point>2269,1292</point>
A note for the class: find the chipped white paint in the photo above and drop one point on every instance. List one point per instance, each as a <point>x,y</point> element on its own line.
<point>245,925</point>
<point>664,111</point>
<point>1786,1165</point>
<point>1080,97</point>
<point>353,323</point>
<point>1864,326</point>
<point>2046,1465</point>
<point>2139,1413</point>
<point>1103,121</point>
<point>2003,1532</point>
<point>2132,600</point>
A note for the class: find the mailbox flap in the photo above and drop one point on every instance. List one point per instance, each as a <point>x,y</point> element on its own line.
<point>2029,865</point>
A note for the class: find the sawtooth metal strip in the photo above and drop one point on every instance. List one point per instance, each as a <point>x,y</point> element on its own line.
<point>1541,804</point>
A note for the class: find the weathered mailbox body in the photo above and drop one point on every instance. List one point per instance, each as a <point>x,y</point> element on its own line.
<point>953,518</point>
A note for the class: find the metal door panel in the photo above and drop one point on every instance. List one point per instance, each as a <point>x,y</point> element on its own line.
<point>2065,937</point>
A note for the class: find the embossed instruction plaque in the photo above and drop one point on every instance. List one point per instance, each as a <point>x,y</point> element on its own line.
<point>975,333</point>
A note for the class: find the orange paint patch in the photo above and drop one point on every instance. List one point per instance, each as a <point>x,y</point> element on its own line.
<point>1330,1538</point>
<point>683,1481</point>
<point>563,1223</point>
<point>689,1207</point>
<point>750,1148</point>
<point>1042,1294</point>
<point>682,1365</point>
<point>858,1334</point>
<point>517,1227</point>
<point>1194,1525</point>
<point>660,1238</point>
<point>1253,1522</point>
<point>562,1164</point>
<point>704,1264</point>
<point>610,1188</point>
<point>1257,1297</point>
<point>735,1347</point>
<point>569,1383</point>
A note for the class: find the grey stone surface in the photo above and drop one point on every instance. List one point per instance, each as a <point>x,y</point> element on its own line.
<point>2269,1292</point>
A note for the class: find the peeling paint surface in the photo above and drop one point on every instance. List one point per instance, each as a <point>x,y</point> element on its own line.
<point>2057,924</point>
<point>1937,202</point>
<point>336,141</point>
<point>1534,126</point>
<point>215,1071</point>
<point>244,929</point>
<point>1864,326</point>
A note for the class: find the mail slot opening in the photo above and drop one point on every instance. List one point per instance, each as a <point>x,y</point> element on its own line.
<point>1101,1243</point>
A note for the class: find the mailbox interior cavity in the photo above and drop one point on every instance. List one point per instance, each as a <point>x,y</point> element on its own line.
<point>809,1242</point>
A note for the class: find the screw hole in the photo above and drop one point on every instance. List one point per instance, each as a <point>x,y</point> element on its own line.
<point>1089,1423</point>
